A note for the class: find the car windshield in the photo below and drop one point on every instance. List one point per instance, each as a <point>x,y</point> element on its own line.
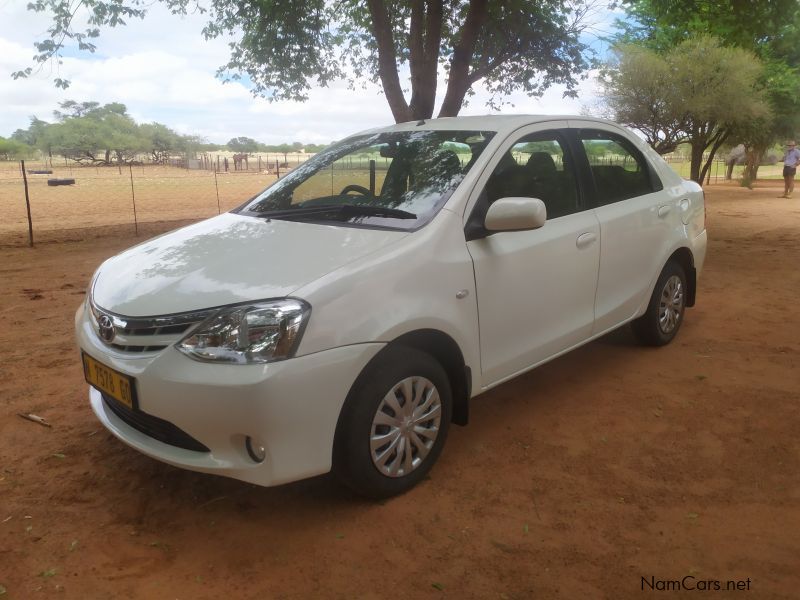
<point>396,180</point>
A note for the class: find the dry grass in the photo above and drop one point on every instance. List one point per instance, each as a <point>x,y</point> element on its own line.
<point>105,196</point>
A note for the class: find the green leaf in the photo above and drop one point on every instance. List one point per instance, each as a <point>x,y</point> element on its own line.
<point>287,48</point>
<point>438,586</point>
<point>48,573</point>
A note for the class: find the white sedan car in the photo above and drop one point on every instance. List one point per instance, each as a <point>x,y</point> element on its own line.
<point>342,318</point>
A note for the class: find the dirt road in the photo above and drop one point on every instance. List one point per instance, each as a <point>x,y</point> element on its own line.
<point>602,473</point>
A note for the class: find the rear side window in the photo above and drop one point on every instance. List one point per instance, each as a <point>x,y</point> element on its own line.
<point>619,170</point>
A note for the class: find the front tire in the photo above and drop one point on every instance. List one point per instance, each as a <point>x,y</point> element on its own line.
<point>394,423</point>
<point>664,316</point>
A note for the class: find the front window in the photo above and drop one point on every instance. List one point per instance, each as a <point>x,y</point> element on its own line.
<point>537,166</point>
<point>396,180</point>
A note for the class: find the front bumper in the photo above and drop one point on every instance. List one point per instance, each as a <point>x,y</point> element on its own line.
<point>290,407</point>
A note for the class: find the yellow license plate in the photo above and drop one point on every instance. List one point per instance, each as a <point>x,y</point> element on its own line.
<point>105,379</point>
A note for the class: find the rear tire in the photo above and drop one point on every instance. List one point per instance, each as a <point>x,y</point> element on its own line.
<point>394,423</point>
<point>664,316</point>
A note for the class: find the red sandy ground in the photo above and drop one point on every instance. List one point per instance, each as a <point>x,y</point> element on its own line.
<point>576,480</point>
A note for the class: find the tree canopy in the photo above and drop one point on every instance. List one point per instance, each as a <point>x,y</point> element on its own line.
<point>90,132</point>
<point>11,148</point>
<point>107,134</point>
<point>754,25</point>
<point>242,144</point>
<point>697,92</point>
<point>285,47</point>
<point>770,30</point>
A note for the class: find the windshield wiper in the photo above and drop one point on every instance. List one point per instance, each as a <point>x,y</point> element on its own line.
<point>345,210</point>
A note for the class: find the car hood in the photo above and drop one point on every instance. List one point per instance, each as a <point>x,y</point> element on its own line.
<point>228,259</point>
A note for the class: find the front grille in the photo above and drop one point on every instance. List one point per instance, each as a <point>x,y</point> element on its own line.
<point>122,348</point>
<point>143,334</point>
<point>156,428</point>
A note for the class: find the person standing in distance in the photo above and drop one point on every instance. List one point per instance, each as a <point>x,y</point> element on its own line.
<point>791,159</point>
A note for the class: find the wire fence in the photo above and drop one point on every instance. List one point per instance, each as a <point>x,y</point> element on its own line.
<point>54,204</point>
<point>51,200</point>
<point>221,162</point>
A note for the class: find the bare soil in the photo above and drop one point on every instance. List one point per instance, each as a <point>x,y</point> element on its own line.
<point>609,465</point>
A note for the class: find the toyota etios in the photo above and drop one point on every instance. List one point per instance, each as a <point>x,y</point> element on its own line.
<point>344,317</point>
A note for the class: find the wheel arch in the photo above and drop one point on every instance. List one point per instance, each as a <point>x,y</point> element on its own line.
<point>684,257</point>
<point>447,352</point>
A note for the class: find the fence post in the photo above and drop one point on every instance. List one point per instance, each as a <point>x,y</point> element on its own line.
<point>133,198</point>
<point>277,169</point>
<point>372,177</point>
<point>27,204</point>
<point>219,210</point>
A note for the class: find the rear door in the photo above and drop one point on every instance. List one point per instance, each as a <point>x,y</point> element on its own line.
<point>638,221</point>
<point>535,288</point>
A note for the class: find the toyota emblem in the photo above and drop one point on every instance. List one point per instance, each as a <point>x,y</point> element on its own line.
<point>106,328</point>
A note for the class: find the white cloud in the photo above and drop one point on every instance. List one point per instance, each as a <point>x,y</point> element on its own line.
<point>163,70</point>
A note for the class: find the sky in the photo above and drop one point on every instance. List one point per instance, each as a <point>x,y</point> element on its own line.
<point>163,70</point>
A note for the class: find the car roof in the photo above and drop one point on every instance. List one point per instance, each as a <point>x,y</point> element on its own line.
<point>499,123</point>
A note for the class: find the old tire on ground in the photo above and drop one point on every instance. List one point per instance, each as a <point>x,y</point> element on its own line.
<point>664,315</point>
<point>393,424</point>
<point>60,181</point>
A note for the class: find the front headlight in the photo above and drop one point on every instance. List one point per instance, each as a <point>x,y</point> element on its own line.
<point>260,332</point>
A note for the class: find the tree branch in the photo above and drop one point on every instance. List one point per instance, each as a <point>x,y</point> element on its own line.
<point>387,61</point>
<point>458,81</point>
<point>487,67</point>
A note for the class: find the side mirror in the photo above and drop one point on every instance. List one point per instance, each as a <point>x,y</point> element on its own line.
<point>515,214</point>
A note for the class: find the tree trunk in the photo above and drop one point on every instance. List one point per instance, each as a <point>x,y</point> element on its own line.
<point>729,171</point>
<point>425,36</point>
<point>753,161</point>
<point>715,142</point>
<point>458,81</point>
<point>696,161</point>
<point>387,61</point>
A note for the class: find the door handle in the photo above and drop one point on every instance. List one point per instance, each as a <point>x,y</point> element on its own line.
<point>586,239</point>
<point>663,211</point>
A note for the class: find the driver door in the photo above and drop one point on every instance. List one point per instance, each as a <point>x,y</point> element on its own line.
<point>535,288</point>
